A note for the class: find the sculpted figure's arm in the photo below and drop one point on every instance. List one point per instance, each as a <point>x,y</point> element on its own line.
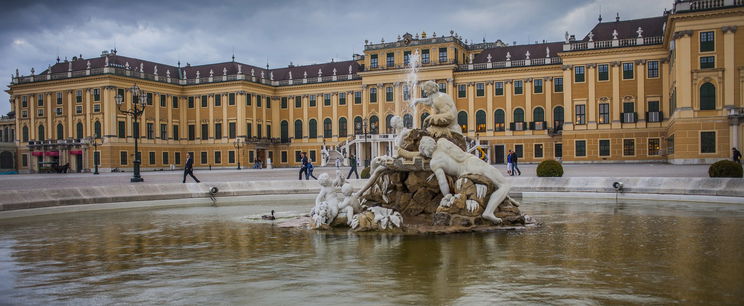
<point>425,101</point>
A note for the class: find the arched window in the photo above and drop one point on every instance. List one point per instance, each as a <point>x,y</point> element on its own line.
<point>298,129</point>
<point>312,127</point>
<point>558,117</point>
<point>538,114</point>
<point>388,125</point>
<point>342,127</point>
<point>327,128</point>
<point>284,130</point>
<point>97,129</point>
<point>462,120</point>
<point>408,121</point>
<point>374,125</point>
<point>40,135</point>
<point>480,121</point>
<point>499,119</point>
<point>358,126</point>
<point>25,133</point>
<point>79,130</point>
<point>60,131</point>
<point>707,96</point>
<point>423,116</point>
<point>518,115</point>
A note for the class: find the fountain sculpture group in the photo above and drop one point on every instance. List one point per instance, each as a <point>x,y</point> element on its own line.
<point>430,185</point>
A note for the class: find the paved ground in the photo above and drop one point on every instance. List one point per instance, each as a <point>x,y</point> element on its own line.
<point>32,181</point>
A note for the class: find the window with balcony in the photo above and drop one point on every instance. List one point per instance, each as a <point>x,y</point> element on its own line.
<point>629,114</point>
<point>653,114</point>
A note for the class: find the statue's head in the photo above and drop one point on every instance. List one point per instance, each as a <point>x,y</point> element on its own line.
<point>324,180</point>
<point>347,190</point>
<point>427,145</point>
<point>396,122</point>
<point>430,87</point>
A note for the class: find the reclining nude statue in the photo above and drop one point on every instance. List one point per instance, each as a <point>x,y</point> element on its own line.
<point>447,158</point>
<point>443,119</point>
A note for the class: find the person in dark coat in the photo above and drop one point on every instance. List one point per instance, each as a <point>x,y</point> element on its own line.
<point>736,155</point>
<point>353,164</point>
<point>303,169</point>
<point>189,170</point>
<point>309,172</point>
<point>515,164</point>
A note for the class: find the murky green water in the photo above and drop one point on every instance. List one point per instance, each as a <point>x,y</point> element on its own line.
<point>586,253</point>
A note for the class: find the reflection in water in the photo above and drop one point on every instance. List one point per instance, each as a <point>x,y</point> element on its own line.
<point>598,252</point>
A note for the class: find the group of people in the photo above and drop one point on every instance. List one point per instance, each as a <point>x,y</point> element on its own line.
<point>307,167</point>
<point>512,166</point>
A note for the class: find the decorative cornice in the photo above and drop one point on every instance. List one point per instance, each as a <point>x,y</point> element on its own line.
<point>615,64</point>
<point>592,65</point>
<point>566,67</point>
<point>640,62</point>
<point>680,34</point>
<point>727,29</point>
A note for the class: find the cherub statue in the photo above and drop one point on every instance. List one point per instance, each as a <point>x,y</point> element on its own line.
<point>443,120</point>
<point>448,159</point>
<point>326,203</point>
<point>350,204</point>
<point>340,179</point>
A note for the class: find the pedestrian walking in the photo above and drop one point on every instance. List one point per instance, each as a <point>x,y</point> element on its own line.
<point>338,162</point>
<point>515,164</point>
<point>353,164</point>
<point>737,155</point>
<point>309,172</point>
<point>303,169</point>
<point>509,163</point>
<point>189,169</point>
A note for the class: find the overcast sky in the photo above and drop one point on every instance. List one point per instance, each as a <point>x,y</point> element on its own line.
<point>34,33</point>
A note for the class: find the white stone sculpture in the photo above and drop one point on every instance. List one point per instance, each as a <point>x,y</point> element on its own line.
<point>240,69</point>
<point>442,121</point>
<point>197,74</point>
<point>591,36</point>
<point>211,73</point>
<point>224,70</point>
<point>349,69</point>
<point>614,34</point>
<point>448,159</point>
<point>640,32</point>
<point>155,70</point>
<point>271,75</point>
<point>126,65</point>
<point>527,55</point>
<point>107,61</point>
<point>253,72</point>
<point>340,180</point>
<point>320,72</point>
<point>328,204</point>
<point>142,67</point>
<point>167,73</point>
<point>470,58</point>
<point>290,75</point>
<point>87,65</point>
<point>488,57</point>
<point>334,71</point>
<point>384,218</point>
<point>304,75</point>
<point>547,52</point>
<point>262,74</point>
<point>325,155</point>
<point>508,56</point>
<point>401,133</point>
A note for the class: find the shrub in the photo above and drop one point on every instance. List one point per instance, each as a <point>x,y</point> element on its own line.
<point>365,173</point>
<point>725,168</point>
<point>549,168</point>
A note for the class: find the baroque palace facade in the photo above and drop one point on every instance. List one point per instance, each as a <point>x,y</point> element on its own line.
<point>661,89</point>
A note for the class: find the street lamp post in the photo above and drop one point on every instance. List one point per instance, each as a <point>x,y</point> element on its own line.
<point>238,144</point>
<point>139,101</point>
<point>94,142</point>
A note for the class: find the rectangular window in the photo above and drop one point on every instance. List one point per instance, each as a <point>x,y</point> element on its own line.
<point>231,157</point>
<point>629,115</point>
<point>326,99</point>
<point>390,61</point>
<point>298,102</point>
<point>79,96</point>
<point>480,89</point>
<point>231,132</point>
<point>442,55</point>
<point>190,102</point>
<point>603,72</point>
<point>175,132</point>
<point>217,100</point>
<point>498,88</point>
<point>707,62</point>
<point>558,84</point>
<point>707,142</point>
<point>628,147</point>
<point>538,150</point>
<point>580,114</point>
<point>579,74</point>
<point>628,71</point>
<point>217,130</point>
<point>538,83</point>
<point>204,101</point>
<point>59,98</point>
<point>425,56</point>
<point>406,57</point>
<point>373,61</point>
<point>312,101</point>
<point>284,156</point>
<point>389,94</point>
<point>518,87</point>
<point>558,152</point>
<point>373,95</point>
<point>163,131</point>
<point>519,149</point>
<point>58,111</point>
<point>268,131</point>
<point>79,109</point>
<point>122,129</point>
<point>205,131</point>
<point>165,158</point>
<point>96,108</point>
<point>231,99</point>
<point>653,69</point>
<point>40,100</point>
<point>284,103</point>
<point>40,112</point>
<point>707,41</point>
<point>249,129</point>
<point>268,102</point>
<point>177,158</point>
<point>258,101</point>
<point>654,146</point>
<point>604,147</point>
<point>442,87</point>
<point>123,158</point>
<point>96,94</point>
<point>312,155</point>
<point>248,99</point>
<point>604,113</point>
<point>150,130</point>
<point>342,98</point>
<point>357,97</point>
<point>192,132</point>
<point>162,101</point>
<point>250,156</point>
<point>149,98</point>
<point>203,158</point>
<point>580,148</point>
<point>461,91</point>
<point>24,101</point>
<point>151,158</point>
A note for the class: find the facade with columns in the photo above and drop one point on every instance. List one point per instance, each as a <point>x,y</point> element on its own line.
<point>661,89</point>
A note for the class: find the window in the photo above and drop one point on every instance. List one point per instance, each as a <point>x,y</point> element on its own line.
<point>603,72</point>
<point>653,114</point>
<point>342,127</point>
<point>462,120</point>
<point>580,114</point>
<point>498,88</point>
<point>149,98</point>
<point>249,129</point>
<point>327,100</point>
<point>342,98</point>
<point>604,147</point>
<point>284,156</point>
<point>580,148</point>
<point>122,129</point>
<point>558,84</point>
<point>312,126</point>
<point>629,115</point>
<point>78,130</point>
<point>519,149</point>
<point>150,130</point>
<point>499,120</point>
<point>25,134</point>
<point>628,147</point>
<point>151,158</point>
<point>175,132</point>
<point>374,125</point>
<point>480,89</point>
<point>442,55</point>
<point>653,69</point>
<point>373,95</point>
<point>123,158</point>
<point>442,87</point>
<point>24,114</point>
<point>461,93</point>
<point>313,102</point>
<point>518,87</point>
<point>96,94</point>
<point>40,112</point>
<point>204,101</point>
<point>627,71</point>
<point>406,57</point>
<point>284,125</point>
<point>191,102</point>
<point>59,98</point>
<point>298,129</point>
<point>165,158</point>
<point>231,130</point>
<point>24,101</point>
<point>707,142</point>
<point>217,130</point>
<point>97,129</point>
<point>518,115</point>
<point>654,146</point>
<point>357,97</point>
<point>217,157</point>
<point>604,113</point>
<point>480,121</point>
<point>579,74</point>
<point>425,56</point>
<point>268,102</point>
<point>390,60</point>
<point>231,99</point>
<point>205,131</point>
<point>297,102</point>
<point>60,131</point>
<point>79,96</point>
<point>96,108</point>
<point>79,109</point>
<point>538,86</point>
<point>538,114</point>
<point>707,41</point>
<point>163,131</point>
<point>192,132</point>
<point>203,158</point>
<point>40,99</point>
<point>177,158</point>
<point>538,150</point>
<point>231,157</point>
<point>707,97</point>
<point>327,128</point>
<point>58,111</point>
<point>218,100</point>
<point>162,101</point>
<point>707,62</point>
<point>373,61</point>
<point>312,155</point>
<point>558,150</point>
<point>389,94</point>
<point>41,133</point>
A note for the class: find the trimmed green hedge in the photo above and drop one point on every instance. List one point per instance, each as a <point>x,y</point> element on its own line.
<point>549,168</point>
<point>725,168</point>
<point>365,173</point>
